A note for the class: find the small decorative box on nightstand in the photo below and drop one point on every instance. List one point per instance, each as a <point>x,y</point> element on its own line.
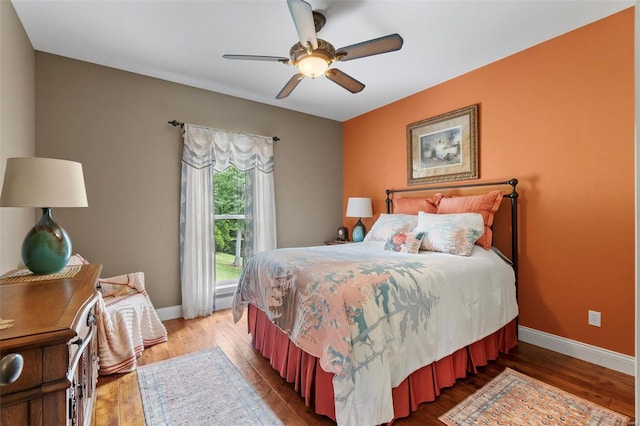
<point>335,242</point>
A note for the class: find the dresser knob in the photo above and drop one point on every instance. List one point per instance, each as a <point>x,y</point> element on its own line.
<point>10,368</point>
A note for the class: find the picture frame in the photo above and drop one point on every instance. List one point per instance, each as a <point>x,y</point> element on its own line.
<point>443,148</point>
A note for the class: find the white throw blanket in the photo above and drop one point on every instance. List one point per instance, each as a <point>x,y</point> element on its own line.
<point>127,323</point>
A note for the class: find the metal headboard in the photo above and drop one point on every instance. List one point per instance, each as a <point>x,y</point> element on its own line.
<point>513,196</point>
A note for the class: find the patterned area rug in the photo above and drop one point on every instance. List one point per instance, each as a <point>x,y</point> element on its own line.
<point>513,398</point>
<point>202,388</point>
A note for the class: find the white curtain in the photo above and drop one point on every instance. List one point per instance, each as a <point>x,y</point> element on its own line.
<point>205,152</point>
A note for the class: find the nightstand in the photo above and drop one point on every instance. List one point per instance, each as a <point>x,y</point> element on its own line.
<point>336,242</point>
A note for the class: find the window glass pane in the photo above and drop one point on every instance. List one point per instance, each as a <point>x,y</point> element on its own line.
<point>230,191</point>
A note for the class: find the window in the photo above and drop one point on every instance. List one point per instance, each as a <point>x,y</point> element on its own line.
<point>208,152</point>
<point>230,188</point>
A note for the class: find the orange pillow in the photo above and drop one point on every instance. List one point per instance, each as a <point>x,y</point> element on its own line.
<point>486,205</point>
<point>415,205</point>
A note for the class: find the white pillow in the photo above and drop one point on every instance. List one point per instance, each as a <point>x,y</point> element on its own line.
<point>390,224</point>
<point>450,233</point>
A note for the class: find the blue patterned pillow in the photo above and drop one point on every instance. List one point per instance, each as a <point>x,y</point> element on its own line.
<point>389,224</point>
<point>450,233</point>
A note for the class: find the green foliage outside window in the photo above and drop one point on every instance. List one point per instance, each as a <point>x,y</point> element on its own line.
<point>230,190</point>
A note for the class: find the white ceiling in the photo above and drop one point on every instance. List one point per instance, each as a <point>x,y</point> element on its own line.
<point>183,41</point>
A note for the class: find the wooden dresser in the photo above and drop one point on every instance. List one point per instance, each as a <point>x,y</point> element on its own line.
<point>54,330</point>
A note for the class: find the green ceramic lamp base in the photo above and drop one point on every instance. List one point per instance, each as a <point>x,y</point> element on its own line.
<point>47,248</point>
<point>358,231</point>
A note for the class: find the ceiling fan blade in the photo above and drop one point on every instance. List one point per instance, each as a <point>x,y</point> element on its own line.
<point>344,80</point>
<point>291,84</point>
<point>258,58</point>
<point>371,47</point>
<point>303,19</point>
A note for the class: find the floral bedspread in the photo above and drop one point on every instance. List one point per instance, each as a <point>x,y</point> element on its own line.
<point>372,316</point>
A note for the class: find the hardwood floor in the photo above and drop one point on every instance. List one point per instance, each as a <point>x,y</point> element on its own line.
<point>118,397</point>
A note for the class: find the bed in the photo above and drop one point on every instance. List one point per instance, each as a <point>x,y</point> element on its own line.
<point>368,331</point>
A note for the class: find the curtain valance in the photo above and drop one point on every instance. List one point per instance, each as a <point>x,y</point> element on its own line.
<point>204,147</point>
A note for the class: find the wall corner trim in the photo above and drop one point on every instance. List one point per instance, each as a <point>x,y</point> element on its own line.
<point>593,354</point>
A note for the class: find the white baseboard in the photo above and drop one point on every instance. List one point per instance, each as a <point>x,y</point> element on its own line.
<point>224,302</point>
<point>616,361</point>
<point>173,312</point>
<point>170,312</point>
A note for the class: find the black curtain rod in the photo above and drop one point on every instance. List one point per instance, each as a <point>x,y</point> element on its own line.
<point>176,123</point>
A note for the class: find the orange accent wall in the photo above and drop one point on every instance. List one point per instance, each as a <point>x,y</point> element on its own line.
<point>559,117</point>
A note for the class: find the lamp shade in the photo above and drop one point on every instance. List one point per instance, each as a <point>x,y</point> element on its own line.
<point>43,182</point>
<point>359,207</point>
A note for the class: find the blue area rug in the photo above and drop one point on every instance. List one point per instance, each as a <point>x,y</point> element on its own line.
<point>201,388</point>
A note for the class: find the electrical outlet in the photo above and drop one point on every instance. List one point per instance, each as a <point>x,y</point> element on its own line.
<point>594,318</point>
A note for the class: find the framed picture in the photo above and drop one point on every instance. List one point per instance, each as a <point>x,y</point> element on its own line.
<point>443,148</point>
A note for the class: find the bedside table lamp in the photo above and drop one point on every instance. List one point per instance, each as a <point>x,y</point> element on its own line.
<point>44,183</point>
<point>359,207</point>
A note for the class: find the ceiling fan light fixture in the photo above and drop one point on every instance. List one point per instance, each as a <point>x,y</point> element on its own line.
<point>315,62</point>
<point>313,65</point>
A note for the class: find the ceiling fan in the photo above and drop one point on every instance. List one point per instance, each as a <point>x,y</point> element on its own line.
<point>313,56</point>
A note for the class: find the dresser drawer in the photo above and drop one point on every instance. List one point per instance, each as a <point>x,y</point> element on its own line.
<point>31,376</point>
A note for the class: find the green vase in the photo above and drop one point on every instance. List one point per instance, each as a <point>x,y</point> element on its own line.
<point>46,248</point>
<point>358,232</point>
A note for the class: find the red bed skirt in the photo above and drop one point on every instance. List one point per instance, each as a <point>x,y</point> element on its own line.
<point>316,386</point>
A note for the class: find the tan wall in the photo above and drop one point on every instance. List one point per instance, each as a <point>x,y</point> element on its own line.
<point>17,116</point>
<point>115,124</point>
